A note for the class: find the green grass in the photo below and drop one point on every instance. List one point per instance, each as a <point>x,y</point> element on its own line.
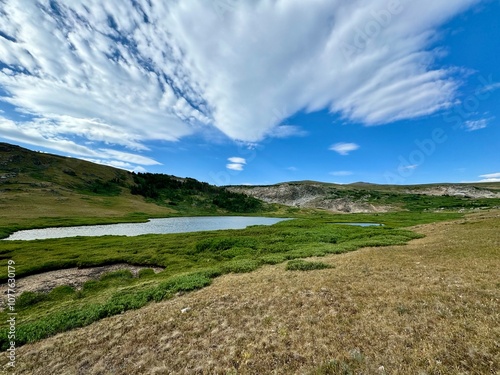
<point>302,265</point>
<point>190,260</point>
<point>119,302</point>
<point>317,235</point>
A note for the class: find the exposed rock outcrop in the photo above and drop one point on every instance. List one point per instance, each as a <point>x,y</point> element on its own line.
<point>310,196</point>
<point>356,198</point>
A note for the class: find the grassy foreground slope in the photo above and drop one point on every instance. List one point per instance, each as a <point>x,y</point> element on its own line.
<point>429,307</point>
<point>39,190</point>
<point>190,261</point>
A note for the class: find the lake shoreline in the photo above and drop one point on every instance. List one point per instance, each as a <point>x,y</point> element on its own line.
<point>152,226</point>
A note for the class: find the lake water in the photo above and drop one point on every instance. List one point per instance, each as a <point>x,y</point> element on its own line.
<point>157,226</point>
<point>362,224</point>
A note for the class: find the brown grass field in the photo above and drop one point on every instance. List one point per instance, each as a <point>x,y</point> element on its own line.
<point>430,307</point>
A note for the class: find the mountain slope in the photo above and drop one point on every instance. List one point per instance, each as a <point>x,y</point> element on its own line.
<point>363,197</point>
<point>39,189</point>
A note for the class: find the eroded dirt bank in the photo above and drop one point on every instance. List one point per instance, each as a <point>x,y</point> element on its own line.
<point>74,277</point>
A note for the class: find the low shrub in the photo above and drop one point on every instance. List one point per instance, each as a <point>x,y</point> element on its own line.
<point>60,292</point>
<point>145,272</point>
<point>120,274</point>
<point>273,259</point>
<point>118,303</point>
<point>27,299</point>
<point>302,265</point>
<point>241,266</point>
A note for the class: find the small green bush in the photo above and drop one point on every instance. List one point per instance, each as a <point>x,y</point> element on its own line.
<point>92,286</point>
<point>237,252</point>
<point>120,274</point>
<point>145,272</point>
<point>273,259</point>
<point>241,266</point>
<point>210,273</point>
<point>186,283</point>
<point>119,302</point>
<point>27,299</point>
<point>220,244</point>
<point>61,292</point>
<point>302,265</point>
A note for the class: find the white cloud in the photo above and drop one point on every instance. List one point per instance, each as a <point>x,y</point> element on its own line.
<point>292,169</point>
<point>285,131</point>
<point>236,163</point>
<point>114,163</point>
<point>472,125</point>
<point>235,166</point>
<point>128,157</point>
<point>344,148</point>
<point>491,87</point>
<point>341,173</point>
<point>96,70</point>
<point>408,167</point>
<point>237,160</point>
<point>491,177</point>
<point>39,133</point>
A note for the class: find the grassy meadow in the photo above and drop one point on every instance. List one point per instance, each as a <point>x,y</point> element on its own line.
<point>190,261</point>
<point>429,307</point>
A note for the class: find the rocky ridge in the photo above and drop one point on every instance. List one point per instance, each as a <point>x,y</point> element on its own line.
<point>353,198</point>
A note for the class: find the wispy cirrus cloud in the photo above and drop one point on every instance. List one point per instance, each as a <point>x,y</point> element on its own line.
<point>344,148</point>
<point>490,177</point>
<point>341,173</point>
<point>491,87</point>
<point>125,73</point>
<point>408,167</point>
<point>472,125</point>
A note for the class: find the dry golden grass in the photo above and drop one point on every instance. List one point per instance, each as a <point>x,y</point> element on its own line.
<point>32,204</point>
<point>431,307</point>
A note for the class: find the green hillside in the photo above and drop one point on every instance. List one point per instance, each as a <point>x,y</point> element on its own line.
<point>39,189</point>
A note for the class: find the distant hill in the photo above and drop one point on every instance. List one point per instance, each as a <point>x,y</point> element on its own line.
<point>362,197</point>
<point>40,189</point>
<point>69,191</point>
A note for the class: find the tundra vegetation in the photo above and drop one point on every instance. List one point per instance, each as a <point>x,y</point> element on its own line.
<point>40,190</point>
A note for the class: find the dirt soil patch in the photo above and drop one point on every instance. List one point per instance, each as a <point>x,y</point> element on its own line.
<point>74,277</point>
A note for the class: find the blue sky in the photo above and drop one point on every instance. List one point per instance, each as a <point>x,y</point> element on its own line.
<point>258,92</point>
